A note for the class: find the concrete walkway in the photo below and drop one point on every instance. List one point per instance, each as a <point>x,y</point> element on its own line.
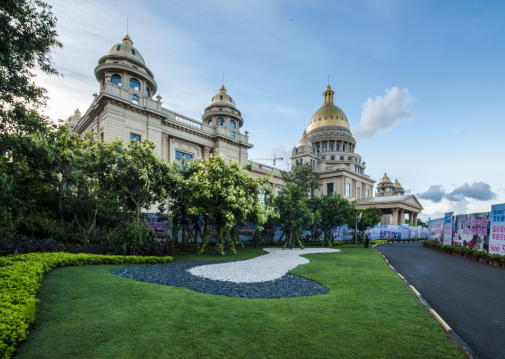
<point>468,295</point>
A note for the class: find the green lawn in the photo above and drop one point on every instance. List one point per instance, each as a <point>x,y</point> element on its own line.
<point>369,313</point>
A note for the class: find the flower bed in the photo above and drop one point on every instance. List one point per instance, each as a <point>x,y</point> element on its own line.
<point>20,277</point>
<point>484,257</point>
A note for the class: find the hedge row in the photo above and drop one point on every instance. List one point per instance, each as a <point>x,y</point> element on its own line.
<point>495,259</point>
<point>20,277</point>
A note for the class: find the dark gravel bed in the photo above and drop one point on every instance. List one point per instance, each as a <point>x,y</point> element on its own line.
<point>174,274</point>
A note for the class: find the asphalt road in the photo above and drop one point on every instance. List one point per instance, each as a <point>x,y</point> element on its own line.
<point>468,295</point>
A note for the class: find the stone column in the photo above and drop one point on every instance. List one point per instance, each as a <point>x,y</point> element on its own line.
<point>206,152</point>
<point>395,216</point>
<point>401,216</point>
<point>414,219</point>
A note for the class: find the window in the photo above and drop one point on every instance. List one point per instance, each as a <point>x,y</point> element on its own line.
<point>180,155</point>
<point>220,121</point>
<point>233,135</point>
<point>343,148</point>
<point>323,158</point>
<point>116,80</point>
<point>324,147</point>
<point>148,92</point>
<point>301,161</point>
<point>103,81</point>
<point>329,188</point>
<point>134,137</point>
<point>232,124</point>
<point>318,149</point>
<point>133,52</point>
<point>118,47</point>
<point>348,158</point>
<point>221,97</point>
<point>388,189</point>
<point>331,146</point>
<point>135,99</point>
<point>101,136</point>
<point>367,193</point>
<point>135,84</point>
<point>348,189</point>
<point>333,158</point>
<point>341,158</point>
<point>297,162</point>
<point>337,147</point>
<point>231,101</point>
<point>312,192</point>
<point>210,122</point>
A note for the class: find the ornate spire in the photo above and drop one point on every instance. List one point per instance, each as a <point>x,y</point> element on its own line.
<point>222,89</point>
<point>305,134</point>
<point>328,95</point>
<point>127,40</point>
<point>77,112</point>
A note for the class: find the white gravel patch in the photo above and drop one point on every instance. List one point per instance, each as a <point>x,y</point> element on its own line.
<point>277,263</point>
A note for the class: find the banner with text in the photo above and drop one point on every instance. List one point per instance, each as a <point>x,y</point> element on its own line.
<point>436,230</point>
<point>497,232</point>
<point>471,230</point>
<point>405,231</point>
<point>448,228</point>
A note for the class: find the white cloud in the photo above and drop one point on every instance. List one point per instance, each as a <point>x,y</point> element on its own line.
<point>384,113</point>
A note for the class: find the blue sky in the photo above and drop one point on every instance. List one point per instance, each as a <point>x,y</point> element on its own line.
<point>425,78</point>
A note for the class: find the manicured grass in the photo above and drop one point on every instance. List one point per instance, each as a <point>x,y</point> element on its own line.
<point>369,313</point>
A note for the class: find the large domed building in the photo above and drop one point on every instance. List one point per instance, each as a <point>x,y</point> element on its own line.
<point>126,107</point>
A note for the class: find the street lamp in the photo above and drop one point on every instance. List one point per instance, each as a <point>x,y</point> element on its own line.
<point>358,218</point>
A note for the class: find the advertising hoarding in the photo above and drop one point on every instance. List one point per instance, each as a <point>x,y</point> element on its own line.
<point>436,230</point>
<point>471,230</point>
<point>448,228</point>
<point>405,231</point>
<point>497,230</point>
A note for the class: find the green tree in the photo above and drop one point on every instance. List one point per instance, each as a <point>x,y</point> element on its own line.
<point>294,213</point>
<point>370,217</point>
<point>225,196</point>
<point>315,204</point>
<point>304,176</point>
<point>335,212</point>
<point>134,172</point>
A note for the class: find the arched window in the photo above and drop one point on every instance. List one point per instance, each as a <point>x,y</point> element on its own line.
<point>338,147</point>
<point>210,122</point>
<point>232,124</point>
<point>348,158</point>
<point>333,158</point>
<point>220,121</point>
<point>133,51</point>
<point>323,158</point>
<point>118,47</point>
<point>341,158</point>
<point>135,99</point>
<point>116,79</point>
<point>231,100</point>
<point>233,135</point>
<point>221,97</point>
<point>135,84</point>
<point>148,91</point>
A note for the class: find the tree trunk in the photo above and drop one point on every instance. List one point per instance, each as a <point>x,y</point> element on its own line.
<point>60,194</point>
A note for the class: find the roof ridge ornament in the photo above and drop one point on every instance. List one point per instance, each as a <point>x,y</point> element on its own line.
<point>222,89</point>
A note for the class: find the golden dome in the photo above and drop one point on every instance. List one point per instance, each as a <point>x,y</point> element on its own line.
<point>397,184</point>
<point>305,141</point>
<point>73,120</point>
<point>329,114</point>
<point>385,178</point>
<point>126,48</point>
<point>222,97</point>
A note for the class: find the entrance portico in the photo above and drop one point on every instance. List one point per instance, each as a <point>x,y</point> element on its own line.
<point>394,208</point>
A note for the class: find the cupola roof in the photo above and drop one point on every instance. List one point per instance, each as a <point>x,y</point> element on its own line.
<point>222,97</point>
<point>126,48</point>
<point>329,114</point>
<point>385,178</point>
<point>305,141</point>
<point>73,120</point>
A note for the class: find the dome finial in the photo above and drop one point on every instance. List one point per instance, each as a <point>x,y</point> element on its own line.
<point>222,89</point>
<point>305,134</point>
<point>127,40</point>
<point>328,94</point>
<point>77,112</point>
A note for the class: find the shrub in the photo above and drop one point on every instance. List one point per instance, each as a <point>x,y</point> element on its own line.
<point>25,245</point>
<point>465,251</point>
<point>20,277</point>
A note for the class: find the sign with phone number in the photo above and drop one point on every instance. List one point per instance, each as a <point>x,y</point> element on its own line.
<point>497,238</point>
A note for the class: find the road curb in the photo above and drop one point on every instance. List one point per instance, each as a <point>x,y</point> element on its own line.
<point>465,349</point>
